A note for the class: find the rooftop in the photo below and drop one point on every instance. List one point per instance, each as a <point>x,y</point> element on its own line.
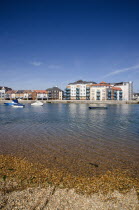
<point>40,91</point>
<point>53,88</point>
<point>82,82</point>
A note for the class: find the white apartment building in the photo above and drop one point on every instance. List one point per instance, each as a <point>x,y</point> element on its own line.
<point>2,93</point>
<point>79,90</point>
<point>127,88</point>
<point>82,90</point>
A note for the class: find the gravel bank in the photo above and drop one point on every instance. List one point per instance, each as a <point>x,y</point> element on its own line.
<point>28,186</point>
<point>60,199</point>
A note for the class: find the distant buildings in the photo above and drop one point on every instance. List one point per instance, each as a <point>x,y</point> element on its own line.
<point>10,94</point>
<point>23,94</point>
<point>136,96</point>
<point>82,90</point>
<point>79,90</point>
<point>40,95</point>
<point>27,94</point>
<point>55,93</point>
<point>127,89</point>
<point>51,93</point>
<point>3,91</point>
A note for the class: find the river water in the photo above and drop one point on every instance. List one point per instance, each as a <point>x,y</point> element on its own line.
<point>72,137</point>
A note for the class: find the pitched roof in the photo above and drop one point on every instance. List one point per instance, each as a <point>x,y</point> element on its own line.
<point>116,88</point>
<point>20,91</point>
<point>81,82</point>
<point>27,91</point>
<point>11,91</point>
<point>103,82</point>
<point>53,88</point>
<point>101,85</point>
<point>40,91</point>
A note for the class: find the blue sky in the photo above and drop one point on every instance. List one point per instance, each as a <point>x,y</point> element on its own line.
<point>44,43</point>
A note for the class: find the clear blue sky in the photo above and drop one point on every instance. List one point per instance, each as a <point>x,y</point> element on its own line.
<point>44,43</point>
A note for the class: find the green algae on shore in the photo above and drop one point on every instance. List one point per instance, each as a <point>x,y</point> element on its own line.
<point>19,174</point>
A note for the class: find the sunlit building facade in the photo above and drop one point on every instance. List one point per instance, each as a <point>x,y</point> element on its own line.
<point>103,91</point>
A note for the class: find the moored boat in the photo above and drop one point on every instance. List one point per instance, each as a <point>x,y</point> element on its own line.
<point>18,105</point>
<point>11,103</point>
<point>98,107</point>
<point>37,103</point>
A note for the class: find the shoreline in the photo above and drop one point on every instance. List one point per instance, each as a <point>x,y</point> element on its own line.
<point>76,102</point>
<point>20,176</point>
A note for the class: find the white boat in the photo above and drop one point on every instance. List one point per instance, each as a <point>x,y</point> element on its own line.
<point>37,103</point>
<point>18,105</point>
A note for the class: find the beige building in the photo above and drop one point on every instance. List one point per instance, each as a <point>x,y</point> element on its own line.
<point>23,94</point>
<point>103,91</point>
<point>79,90</point>
<point>10,94</point>
<point>40,95</point>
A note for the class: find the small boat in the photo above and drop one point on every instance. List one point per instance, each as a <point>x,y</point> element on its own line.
<point>98,107</point>
<point>11,103</point>
<point>18,105</point>
<point>37,103</point>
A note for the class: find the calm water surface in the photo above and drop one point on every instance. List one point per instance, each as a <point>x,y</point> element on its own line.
<point>71,136</point>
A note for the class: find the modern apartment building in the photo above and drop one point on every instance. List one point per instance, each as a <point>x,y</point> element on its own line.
<point>82,90</point>
<point>104,91</point>
<point>55,93</point>
<point>79,90</point>
<point>127,89</point>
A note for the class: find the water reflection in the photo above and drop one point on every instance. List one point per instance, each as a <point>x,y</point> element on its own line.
<point>72,130</point>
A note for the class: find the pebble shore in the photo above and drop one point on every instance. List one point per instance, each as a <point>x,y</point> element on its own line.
<point>25,185</point>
